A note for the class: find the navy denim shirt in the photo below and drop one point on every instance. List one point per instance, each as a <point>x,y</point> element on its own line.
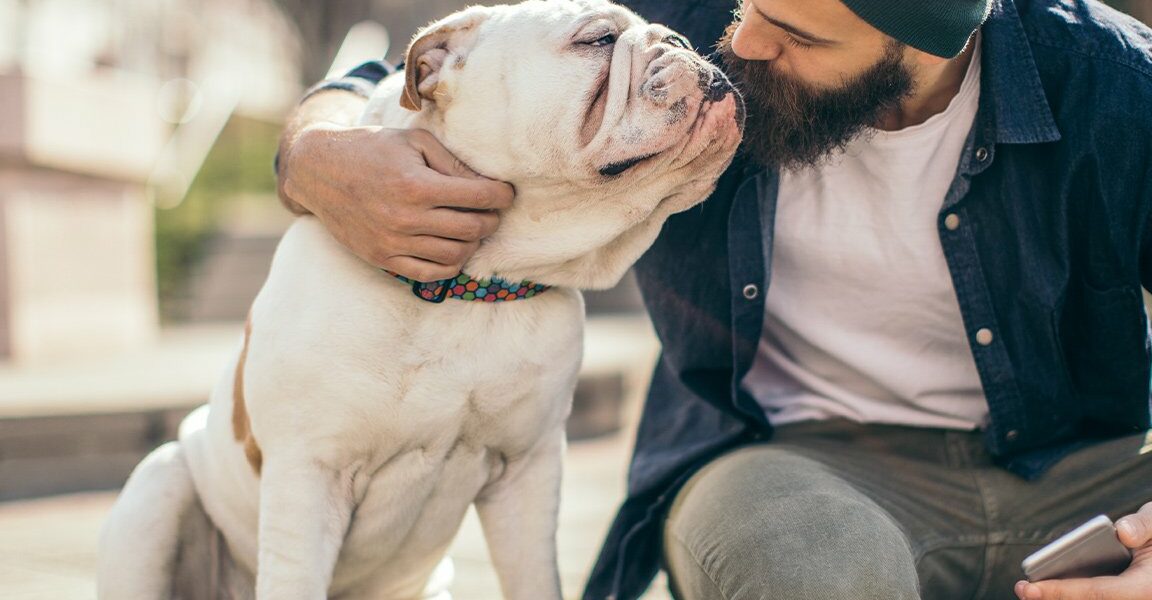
<point>1053,197</point>
<point>1048,248</point>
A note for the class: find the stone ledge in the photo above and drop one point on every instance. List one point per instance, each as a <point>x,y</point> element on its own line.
<point>84,428</point>
<point>48,455</point>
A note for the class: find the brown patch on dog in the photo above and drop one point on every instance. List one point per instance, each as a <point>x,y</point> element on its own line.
<point>241,428</point>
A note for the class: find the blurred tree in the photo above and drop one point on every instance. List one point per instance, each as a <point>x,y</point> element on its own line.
<point>323,25</point>
<point>240,164</point>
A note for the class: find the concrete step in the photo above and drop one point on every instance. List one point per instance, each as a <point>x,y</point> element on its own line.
<point>82,427</point>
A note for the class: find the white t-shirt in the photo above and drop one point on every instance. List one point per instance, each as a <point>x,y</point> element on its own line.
<point>861,317</point>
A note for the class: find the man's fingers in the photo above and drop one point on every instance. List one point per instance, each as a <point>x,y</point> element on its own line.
<point>431,258</point>
<point>460,192</point>
<point>448,223</point>
<point>454,183</point>
<point>418,269</point>
<point>1135,530</point>
<point>459,225</point>
<point>1095,588</point>
<point>444,252</point>
<point>438,157</point>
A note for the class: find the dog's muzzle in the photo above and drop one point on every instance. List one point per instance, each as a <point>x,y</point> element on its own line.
<point>718,88</point>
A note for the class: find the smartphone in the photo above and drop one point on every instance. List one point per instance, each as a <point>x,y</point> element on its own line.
<point>1090,550</point>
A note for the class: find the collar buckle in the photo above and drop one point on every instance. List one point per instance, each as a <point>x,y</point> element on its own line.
<point>435,295</point>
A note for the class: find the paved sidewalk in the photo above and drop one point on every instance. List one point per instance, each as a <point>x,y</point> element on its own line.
<point>48,546</point>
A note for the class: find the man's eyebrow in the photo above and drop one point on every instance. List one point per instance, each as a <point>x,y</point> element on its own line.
<point>796,31</point>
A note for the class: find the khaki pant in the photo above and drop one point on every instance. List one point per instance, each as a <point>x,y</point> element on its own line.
<point>833,510</point>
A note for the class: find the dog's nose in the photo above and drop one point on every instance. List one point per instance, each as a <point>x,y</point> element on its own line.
<point>719,88</point>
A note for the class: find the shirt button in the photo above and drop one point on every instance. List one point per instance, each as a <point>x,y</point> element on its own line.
<point>751,291</point>
<point>1012,436</point>
<point>984,337</point>
<point>952,222</point>
<point>981,154</point>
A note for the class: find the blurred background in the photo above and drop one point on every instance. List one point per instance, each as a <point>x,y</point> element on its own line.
<point>137,219</point>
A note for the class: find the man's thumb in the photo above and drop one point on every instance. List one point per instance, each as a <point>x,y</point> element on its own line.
<point>441,160</point>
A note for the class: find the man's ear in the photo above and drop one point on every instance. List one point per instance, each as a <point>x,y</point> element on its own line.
<point>431,47</point>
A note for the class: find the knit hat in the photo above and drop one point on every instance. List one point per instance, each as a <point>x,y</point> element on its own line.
<point>939,27</point>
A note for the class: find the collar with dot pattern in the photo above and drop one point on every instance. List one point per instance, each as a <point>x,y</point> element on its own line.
<point>464,287</point>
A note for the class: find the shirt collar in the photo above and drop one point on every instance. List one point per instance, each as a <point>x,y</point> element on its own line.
<point>1012,92</point>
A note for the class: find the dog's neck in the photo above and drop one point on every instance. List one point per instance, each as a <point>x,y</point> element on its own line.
<point>539,239</point>
<point>572,247</point>
<point>466,287</point>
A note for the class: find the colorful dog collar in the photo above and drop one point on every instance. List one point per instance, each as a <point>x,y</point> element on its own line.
<point>464,287</point>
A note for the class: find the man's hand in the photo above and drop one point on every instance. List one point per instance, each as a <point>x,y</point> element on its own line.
<point>397,199</point>
<point>1135,583</point>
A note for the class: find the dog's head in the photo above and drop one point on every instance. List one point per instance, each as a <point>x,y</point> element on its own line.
<point>604,123</point>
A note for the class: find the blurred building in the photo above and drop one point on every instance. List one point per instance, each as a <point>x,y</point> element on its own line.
<point>322,25</point>
<point>106,106</point>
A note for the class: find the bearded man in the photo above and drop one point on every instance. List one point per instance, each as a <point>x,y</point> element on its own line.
<point>951,201</point>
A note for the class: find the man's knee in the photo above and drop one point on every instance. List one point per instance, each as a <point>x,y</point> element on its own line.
<point>766,523</point>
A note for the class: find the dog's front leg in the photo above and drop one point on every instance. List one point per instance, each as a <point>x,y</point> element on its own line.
<point>304,513</point>
<point>518,513</point>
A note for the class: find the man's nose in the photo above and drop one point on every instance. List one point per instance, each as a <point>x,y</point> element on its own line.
<point>750,46</point>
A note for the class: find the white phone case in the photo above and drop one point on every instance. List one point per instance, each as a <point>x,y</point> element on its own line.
<point>1090,550</point>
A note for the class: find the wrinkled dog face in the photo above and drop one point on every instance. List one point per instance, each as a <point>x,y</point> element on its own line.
<point>583,86</point>
<point>570,96</point>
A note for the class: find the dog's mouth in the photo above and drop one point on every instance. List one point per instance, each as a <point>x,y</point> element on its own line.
<point>617,168</point>
<point>717,93</point>
<point>687,91</point>
<point>719,88</point>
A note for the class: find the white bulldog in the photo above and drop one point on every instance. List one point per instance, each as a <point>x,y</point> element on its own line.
<point>358,422</point>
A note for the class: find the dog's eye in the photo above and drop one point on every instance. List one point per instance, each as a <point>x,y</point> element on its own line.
<point>676,40</point>
<point>606,40</point>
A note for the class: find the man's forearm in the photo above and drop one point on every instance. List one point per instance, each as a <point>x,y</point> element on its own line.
<point>387,195</point>
<point>331,106</point>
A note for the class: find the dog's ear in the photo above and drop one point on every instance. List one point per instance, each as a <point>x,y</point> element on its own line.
<point>431,47</point>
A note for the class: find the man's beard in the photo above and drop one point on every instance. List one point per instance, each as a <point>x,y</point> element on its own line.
<point>792,125</point>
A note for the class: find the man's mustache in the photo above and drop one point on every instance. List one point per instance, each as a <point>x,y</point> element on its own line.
<point>792,123</point>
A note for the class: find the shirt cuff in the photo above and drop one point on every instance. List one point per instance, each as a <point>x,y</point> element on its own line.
<point>361,80</point>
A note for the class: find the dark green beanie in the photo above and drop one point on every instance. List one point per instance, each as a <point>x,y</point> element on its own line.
<point>939,27</point>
